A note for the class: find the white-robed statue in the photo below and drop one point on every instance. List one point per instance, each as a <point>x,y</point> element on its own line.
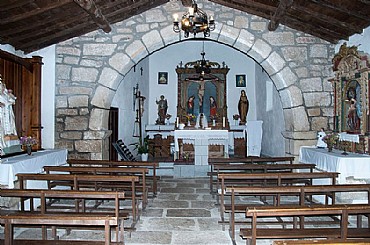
<point>320,141</point>
<point>7,119</point>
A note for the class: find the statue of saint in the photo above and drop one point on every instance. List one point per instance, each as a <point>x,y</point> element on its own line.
<point>162,110</point>
<point>243,107</point>
<point>320,136</point>
<point>7,119</point>
<point>190,105</point>
<point>353,119</point>
<point>212,107</point>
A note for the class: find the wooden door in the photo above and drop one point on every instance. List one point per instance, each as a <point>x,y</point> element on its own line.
<point>113,125</point>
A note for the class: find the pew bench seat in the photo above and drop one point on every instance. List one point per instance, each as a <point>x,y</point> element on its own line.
<point>299,228</point>
<point>70,219</point>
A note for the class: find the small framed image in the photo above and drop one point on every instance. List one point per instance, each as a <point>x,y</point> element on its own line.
<point>240,81</point>
<point>162,77</point>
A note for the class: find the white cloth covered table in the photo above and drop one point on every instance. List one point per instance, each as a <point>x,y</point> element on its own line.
<point>353,164</point>
<point>201,139</point>
<point>11,166</point>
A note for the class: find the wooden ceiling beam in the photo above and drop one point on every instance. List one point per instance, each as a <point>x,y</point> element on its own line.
<point>329,4</point>
<point>95,13</point>
<point>52,38</point>
<point>253,8</point>
<point>46,24</point>
<point>365,1</point>
<point>282,8</point>
<point>324,18</point>
<point>313,29</point>
<point>139,6</point>
<point>37,11</point>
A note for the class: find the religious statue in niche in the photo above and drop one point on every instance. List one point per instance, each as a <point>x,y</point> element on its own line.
<point>190,105</point>
<point>212,108</point>
<point>7,119</point>
<point>197,103</point>
<point>353,103</point>
<point>243,107</point>
<point>162,110</point>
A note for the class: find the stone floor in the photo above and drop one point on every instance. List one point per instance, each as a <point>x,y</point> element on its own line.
<point>183,213</point>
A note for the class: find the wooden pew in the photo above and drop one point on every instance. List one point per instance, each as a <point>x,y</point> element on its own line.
<point>253,168</point>
<point>98,182</point>
<point>11,220</point>
<point>323,242</point>
<point>252,159</point>
<point>299,230</point>
<point>79,197</point>
<point>302,193</point>
<point>248,160</point>
<point>152,166</point>
<point>140,172</point>
<point>268,179</point>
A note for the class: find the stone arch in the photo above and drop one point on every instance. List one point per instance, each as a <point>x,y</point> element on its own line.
<point>154,32</point>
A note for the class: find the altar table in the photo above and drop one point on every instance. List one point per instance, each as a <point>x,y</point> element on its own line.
<point>34,163</point>
<point>201,139</point>
<point>353,164</point>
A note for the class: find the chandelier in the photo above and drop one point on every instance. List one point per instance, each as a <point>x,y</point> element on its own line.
<point>194,21</point>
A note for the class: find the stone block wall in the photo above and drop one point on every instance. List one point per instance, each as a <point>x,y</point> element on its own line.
<point>90,68</point>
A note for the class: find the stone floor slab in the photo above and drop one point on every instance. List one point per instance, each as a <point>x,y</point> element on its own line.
<point>201,238</point>
<point>188,213</point>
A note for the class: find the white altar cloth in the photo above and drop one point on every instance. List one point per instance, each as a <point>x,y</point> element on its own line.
<point>353,164</point>
<point>254,138</point>
<point>11,166</point>
<point>201,139</point>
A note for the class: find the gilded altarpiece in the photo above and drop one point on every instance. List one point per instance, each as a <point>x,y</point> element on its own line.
<point>202,87</point>
<point>351,98</point>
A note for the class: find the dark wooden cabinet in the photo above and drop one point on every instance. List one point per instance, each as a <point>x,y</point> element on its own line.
<point>23,76</point>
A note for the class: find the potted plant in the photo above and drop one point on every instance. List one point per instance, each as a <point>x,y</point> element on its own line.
<point>143,148</point>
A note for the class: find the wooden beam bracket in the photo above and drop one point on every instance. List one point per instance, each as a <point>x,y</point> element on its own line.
<point>94,11</point>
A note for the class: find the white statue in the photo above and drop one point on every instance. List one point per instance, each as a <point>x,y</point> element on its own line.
<point>201,121</point>
<point>7,119</point>
<point>2,108</point>
<point>320,136</point>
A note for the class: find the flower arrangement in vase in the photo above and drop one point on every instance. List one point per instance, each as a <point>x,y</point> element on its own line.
<point>28,142</point>
<point>331,140</point>
<point>190,118</point>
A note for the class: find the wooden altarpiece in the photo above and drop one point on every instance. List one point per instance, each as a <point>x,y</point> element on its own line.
<point>204,79</point>
<point>23,76</point>
<point>351,97</point>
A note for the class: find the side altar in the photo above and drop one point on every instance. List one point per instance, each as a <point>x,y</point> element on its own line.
<point>34,163</point>
<point>351,99</point>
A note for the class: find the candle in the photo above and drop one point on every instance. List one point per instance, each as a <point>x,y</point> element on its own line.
<point>223,122</point>
<point>177,122</point>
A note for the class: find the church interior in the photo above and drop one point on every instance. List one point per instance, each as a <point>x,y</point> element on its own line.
<point>184,122</point>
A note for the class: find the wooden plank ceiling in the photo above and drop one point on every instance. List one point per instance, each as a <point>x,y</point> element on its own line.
<point>30,25</point>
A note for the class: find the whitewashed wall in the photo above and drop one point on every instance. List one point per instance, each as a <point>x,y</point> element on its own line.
<point>168,58</point>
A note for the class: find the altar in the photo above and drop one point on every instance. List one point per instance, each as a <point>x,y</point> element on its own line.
<point>352,165</point>
<point>11,166</point>
<point>201,139</point>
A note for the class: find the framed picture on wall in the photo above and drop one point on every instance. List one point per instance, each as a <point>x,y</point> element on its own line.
<point>162,77</point>
<point>240,81</point>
